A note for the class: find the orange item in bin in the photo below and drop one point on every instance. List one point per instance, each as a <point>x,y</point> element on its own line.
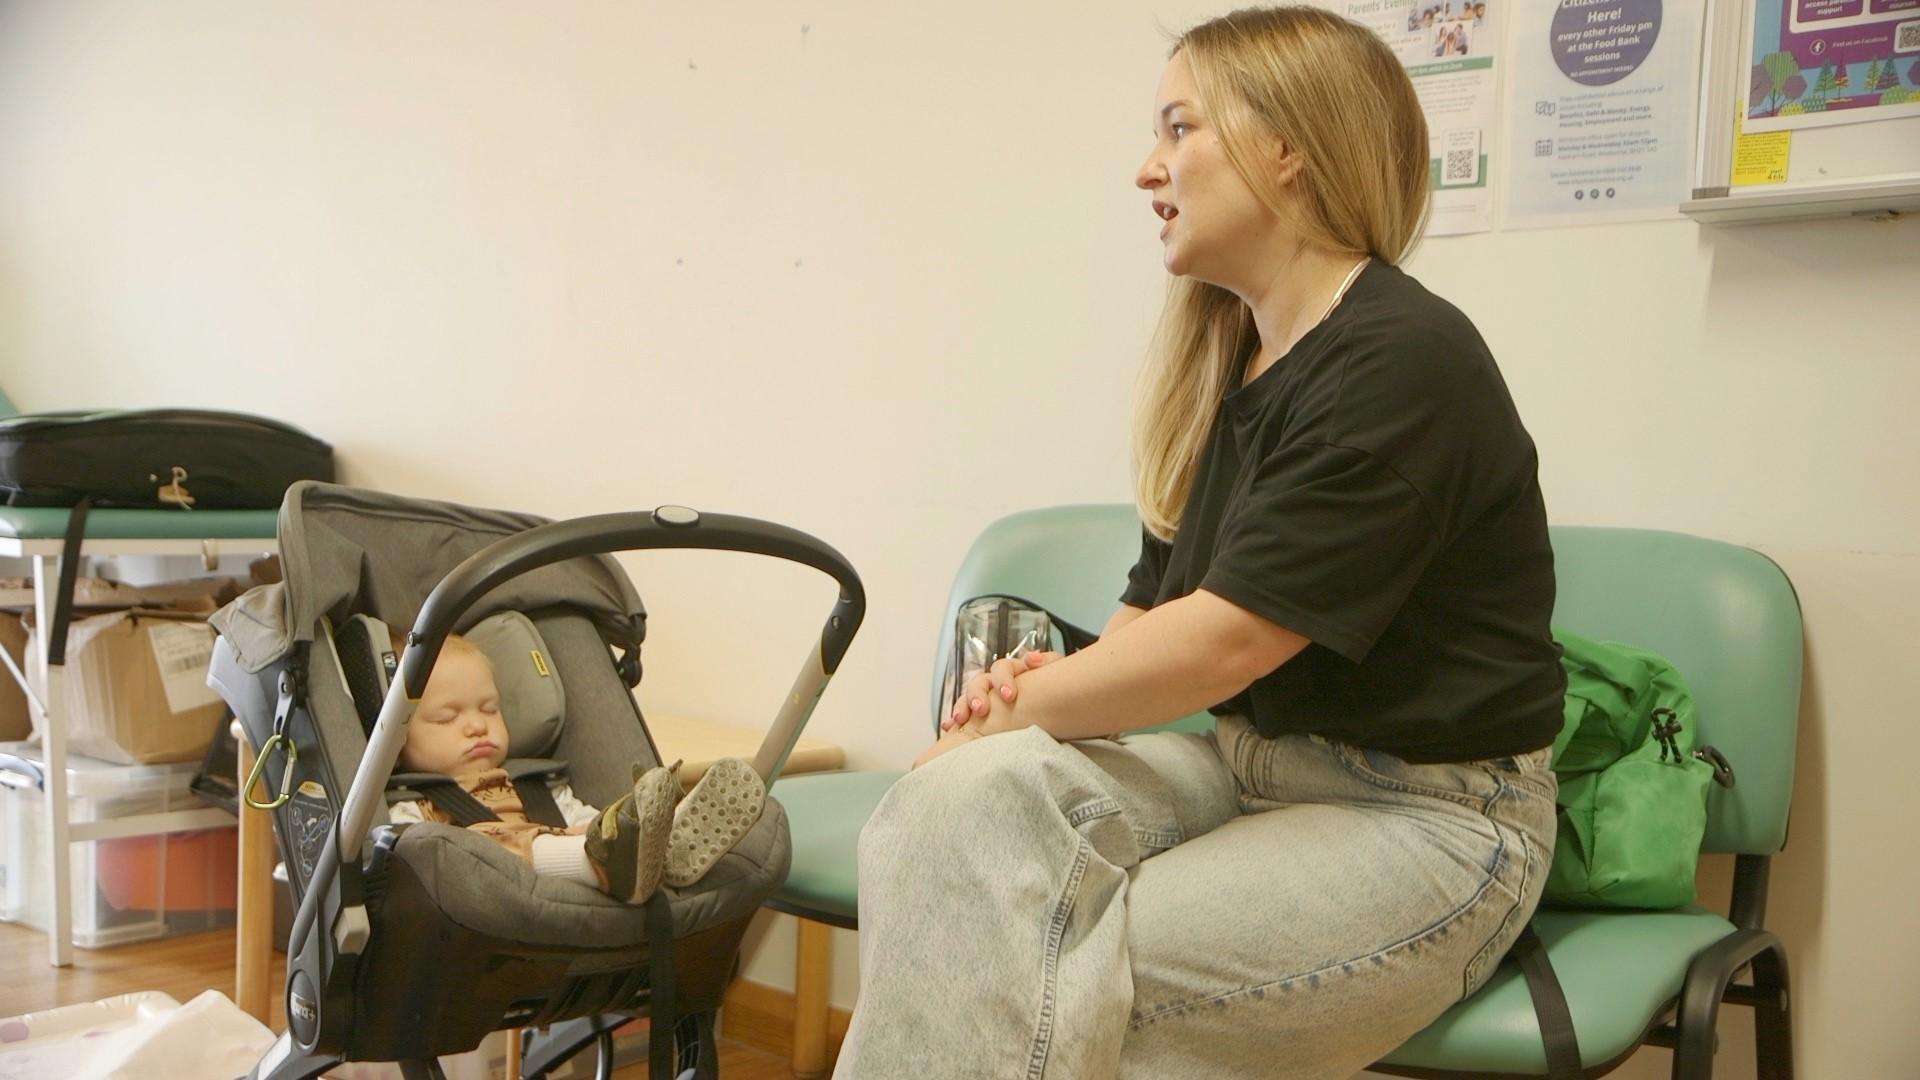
<point>199,871</point>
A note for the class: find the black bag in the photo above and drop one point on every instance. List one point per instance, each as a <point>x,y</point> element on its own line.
<point>182,458</point>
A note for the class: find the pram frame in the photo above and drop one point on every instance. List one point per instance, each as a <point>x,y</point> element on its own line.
<point>322,964</point>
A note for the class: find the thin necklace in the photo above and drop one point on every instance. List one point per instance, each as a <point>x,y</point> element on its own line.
<point>1341,292</point>
<point>1338,295</point>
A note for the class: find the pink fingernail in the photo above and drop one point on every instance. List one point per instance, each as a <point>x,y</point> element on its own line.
<point>1007,692</point>
<point>978,704</point>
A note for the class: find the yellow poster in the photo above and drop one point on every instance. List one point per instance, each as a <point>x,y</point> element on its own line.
<point>1759,159</point>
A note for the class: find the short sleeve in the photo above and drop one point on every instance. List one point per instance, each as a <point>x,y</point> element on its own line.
<point>1143,581</point>
<point>1326,541</point>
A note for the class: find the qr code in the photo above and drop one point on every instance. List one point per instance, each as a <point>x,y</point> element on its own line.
<point>1906,37</point>
<point>1459,168</point>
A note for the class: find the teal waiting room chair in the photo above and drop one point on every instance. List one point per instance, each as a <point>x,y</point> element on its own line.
<point>1725,615</point>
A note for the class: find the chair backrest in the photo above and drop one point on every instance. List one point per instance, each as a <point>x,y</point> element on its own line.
<point>1727,618</point>
<point>1725,615</point>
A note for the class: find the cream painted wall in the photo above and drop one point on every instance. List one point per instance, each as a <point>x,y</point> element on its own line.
<point>877,271</point>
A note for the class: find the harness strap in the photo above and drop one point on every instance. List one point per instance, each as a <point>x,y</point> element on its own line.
<point>536,798</point>
<point>663,1008</point>
<point>457,803</point>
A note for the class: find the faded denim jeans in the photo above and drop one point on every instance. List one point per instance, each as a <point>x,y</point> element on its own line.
<point>1177,905</point>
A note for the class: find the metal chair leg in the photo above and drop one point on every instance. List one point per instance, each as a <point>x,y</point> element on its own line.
<point>1708,977</point>
<point>1773,1019</point>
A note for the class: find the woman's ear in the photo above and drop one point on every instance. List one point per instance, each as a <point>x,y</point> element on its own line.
<point>1285,163</point>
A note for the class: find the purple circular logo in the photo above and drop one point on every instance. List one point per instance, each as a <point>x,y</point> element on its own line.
<point>1597,42</point>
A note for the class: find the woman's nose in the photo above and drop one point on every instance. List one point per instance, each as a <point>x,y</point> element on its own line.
<point>1151,174</point>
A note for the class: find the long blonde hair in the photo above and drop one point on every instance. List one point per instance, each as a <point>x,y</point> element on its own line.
<point>1333,93</point>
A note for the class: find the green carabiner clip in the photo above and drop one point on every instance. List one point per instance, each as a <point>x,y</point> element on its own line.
<point>259,765</point>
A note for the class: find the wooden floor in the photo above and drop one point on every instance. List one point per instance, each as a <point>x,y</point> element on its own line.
<point>185,966</point>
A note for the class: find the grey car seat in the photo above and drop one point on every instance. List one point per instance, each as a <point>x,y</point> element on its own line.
<point>415,941</point>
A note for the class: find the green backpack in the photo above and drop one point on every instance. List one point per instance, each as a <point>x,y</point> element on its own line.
<point>1633,789</point>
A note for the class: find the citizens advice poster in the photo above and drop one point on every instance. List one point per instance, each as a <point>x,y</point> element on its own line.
<point>1448,48</point>
<point>1601,108</point>
<point>1822,62</point>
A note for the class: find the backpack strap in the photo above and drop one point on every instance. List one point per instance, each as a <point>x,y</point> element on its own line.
<point>1071,636</point>
<point>1549,1006</point>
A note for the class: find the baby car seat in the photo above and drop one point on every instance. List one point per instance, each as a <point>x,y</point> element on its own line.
<point>415,941</point>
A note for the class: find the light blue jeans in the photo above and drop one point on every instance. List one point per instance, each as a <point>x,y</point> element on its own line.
<point>1178,905</point>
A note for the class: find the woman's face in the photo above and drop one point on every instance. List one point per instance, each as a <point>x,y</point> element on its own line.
<point>1213,227</point>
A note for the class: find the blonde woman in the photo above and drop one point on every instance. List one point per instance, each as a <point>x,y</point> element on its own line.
<point>1345,555</point>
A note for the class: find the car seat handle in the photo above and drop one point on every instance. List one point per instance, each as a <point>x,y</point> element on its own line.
<point>602,534</point>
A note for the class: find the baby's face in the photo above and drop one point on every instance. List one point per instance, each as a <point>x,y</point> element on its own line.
<point>457,728</point>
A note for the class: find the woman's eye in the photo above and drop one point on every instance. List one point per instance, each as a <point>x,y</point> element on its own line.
<point>1178,130</point>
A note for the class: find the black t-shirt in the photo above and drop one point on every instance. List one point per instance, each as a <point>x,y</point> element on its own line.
<point>1375,492</point>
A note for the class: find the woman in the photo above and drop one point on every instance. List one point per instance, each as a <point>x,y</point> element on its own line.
<point>1346,555</point>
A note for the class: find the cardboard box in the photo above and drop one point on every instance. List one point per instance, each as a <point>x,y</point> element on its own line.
<point>15,723</point>
<point>136,686</point>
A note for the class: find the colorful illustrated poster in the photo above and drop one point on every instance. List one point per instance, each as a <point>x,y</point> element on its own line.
<point>1600,110</point>
<point>1447,47</point>
<point>1823,62</point>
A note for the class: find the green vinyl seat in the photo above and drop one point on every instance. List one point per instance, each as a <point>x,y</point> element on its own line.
<point>1726,616</point>
<point>1618,969</point>
<point>50,523</point>
<point>825,813</point>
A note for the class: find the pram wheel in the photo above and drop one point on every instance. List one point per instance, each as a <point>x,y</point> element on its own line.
<point>695,1054</point>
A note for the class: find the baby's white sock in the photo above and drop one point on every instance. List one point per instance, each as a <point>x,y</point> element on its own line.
<point>564,857</point>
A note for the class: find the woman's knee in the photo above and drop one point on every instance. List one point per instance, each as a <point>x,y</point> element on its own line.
<point>999,765</point>
<point>972,789</point>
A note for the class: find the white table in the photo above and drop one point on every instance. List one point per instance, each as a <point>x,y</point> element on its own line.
<point>38,534</point>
